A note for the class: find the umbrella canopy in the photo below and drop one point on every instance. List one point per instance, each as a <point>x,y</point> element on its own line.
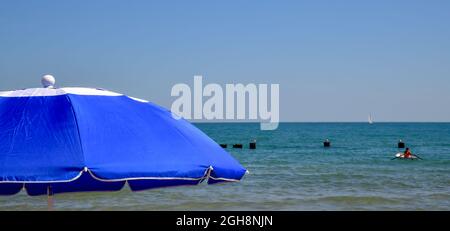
<point>83,139</point>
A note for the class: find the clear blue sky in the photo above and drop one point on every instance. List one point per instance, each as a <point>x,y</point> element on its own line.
<point>334,60</point>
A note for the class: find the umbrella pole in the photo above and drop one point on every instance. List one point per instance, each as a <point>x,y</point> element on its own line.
<point>49,198</point>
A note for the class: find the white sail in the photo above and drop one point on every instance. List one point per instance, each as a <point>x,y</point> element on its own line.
<point>370,119</point>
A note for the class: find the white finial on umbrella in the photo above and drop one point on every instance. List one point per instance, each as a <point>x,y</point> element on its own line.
<point>48,81</point>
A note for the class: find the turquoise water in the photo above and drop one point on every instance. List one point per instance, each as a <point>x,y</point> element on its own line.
<point>290,170</point>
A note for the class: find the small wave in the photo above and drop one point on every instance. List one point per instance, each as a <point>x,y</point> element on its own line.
<point>363,200</point>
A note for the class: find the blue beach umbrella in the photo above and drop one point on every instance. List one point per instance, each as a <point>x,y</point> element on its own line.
<point>58,140</point>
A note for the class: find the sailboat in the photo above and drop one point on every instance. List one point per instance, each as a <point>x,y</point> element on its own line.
<point>370,119</point>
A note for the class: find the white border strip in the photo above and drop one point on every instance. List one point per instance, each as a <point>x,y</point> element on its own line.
<point>88,91</point>
<point>46,92</point>
<point>44,182</point>
<point>139,100</point>
<point>207,175</point>
<point>36,92</point>
<point>145,178</point>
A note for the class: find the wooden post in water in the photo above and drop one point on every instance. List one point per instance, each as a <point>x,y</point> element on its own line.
<point>327,143</point>
<point>401,144</point>
<point>223,145</point>
<point>49,198</point>
<point>252,144</point>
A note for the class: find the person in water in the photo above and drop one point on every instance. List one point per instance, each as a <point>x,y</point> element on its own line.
<point>407,153</point>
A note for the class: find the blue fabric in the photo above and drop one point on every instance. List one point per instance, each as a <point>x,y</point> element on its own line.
<point>138,185</point>
<point>53,138</point>
<point>83,184</point>
<point>7,189</point>
<point>38,139</point>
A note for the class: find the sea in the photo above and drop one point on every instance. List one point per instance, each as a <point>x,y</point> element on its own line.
<point>291,170</point>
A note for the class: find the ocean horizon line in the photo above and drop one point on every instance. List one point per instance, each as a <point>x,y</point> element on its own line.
<point>318,122</point>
